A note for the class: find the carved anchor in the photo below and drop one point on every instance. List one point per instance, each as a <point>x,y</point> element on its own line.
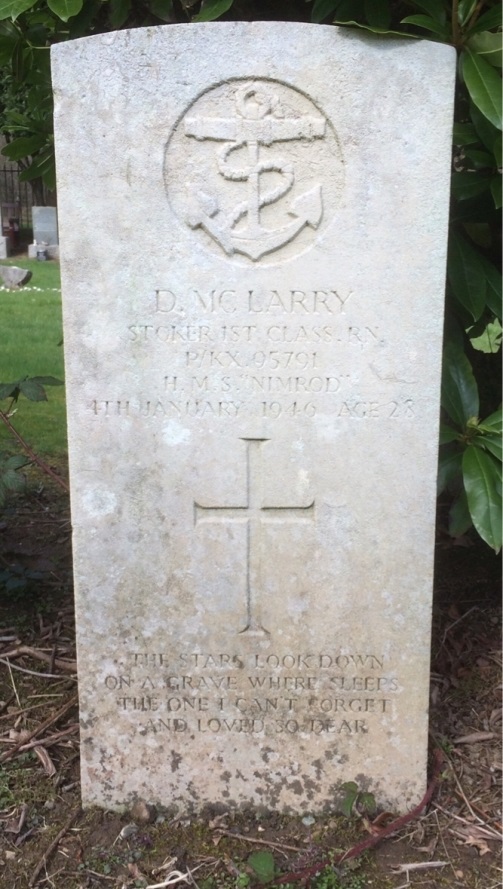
<point>253,127</point>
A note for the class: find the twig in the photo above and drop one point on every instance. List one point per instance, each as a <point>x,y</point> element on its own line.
<point>63,664</point>
<point>418,865</point>
<point>239,836</point>
<point>30,672</point>
<point>41,728</point>
<point>13,684</point>
<point>24,710</point>
<point>32,455</point>
<point>47,854</point>
<point>441,835</point>
<point>451,626</point>
<point>52,739</point>
<point>373,840</point>
<point>462,795</point>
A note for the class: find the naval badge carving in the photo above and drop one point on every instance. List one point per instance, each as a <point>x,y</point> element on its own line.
<point>255,166</point>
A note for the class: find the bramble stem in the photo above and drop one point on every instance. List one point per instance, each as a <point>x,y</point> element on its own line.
<point>32,455</point>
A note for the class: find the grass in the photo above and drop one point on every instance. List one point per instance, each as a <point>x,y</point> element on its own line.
<point>31,334</point>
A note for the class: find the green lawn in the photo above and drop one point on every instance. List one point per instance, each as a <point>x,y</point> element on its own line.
<point>30,345</point>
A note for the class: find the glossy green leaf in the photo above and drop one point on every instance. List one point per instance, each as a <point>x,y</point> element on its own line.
<point>449,468</point>
<point>479,159</point>
<point>163,9</point>
<point>488,21</point>
<point>494,286</point>
<point>212,9</point>
<point>460,397</point>
<point>382,32</point>
<point>466,8</point>
<point>350,9</point>
<point>493,423</point>
<point>322,9</point>
<point>486,131</point>
<point>490,442</point>
<point>119,11</point>
<point>43,166</point>
<point>433,8</point>
<point>466,275</point>
<point>489,340</point>
<point>428,23</point>
<point>460,519</point>
<point>377,13</point>
<point>498,149</point>
<point>496,190</point>
<point>7,45</point>
<point>447,434</point>
<point>482,481</point>
<point>480,233</point>
<point>10,9</point>
<point>484,86</point>
<point>65,9</point>
<point>468,185</point>
<point>487,45</point>
<point>464,134</point>
<point>25,146</point>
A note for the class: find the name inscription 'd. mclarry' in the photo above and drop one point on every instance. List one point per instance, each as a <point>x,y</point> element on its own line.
<point>263,369</point>
<point>263,694</point>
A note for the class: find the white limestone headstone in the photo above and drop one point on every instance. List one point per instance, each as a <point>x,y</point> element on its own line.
<point>253,221</point>
<point>45,225</point>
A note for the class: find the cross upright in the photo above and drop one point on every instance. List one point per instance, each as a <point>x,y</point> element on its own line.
<point>254,515</point>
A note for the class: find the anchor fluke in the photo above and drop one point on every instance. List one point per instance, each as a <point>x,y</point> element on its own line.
<point>309,207</point>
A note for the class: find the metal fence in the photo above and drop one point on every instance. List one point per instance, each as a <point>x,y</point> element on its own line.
<point>15,198</point>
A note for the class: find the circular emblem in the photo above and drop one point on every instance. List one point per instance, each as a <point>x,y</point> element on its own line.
<point>255,168</point>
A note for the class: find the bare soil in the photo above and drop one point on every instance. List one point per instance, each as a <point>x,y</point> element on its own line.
<point>46,840</point>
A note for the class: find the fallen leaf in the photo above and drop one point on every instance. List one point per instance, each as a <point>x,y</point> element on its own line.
<point>479,843</point>
<point>49,767</point>
<point>475,737</point>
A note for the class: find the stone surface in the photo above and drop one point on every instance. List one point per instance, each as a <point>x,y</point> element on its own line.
<point>253,275</point>
<point>12,276</point>
<point>45,225</point>
<point>4,243</point>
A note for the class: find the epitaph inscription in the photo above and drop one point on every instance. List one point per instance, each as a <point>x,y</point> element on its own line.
<point>251,151</point>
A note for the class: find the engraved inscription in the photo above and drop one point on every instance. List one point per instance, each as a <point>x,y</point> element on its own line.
<point>254,514</point>
<point>251,152</point>
<point>266,694</point>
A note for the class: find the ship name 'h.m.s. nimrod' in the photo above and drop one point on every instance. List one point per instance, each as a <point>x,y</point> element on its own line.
<point>253,127</point>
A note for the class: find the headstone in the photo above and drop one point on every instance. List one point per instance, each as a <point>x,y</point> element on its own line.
<point>253,266</point>
<point>4,247</point>
<point>45,225</point>
<point>13,277</point>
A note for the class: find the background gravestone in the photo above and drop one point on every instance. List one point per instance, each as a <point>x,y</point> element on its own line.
<point>45,231</point>
<point>253,344</point>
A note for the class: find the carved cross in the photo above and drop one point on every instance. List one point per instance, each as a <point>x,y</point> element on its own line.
<point>254,514</point>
